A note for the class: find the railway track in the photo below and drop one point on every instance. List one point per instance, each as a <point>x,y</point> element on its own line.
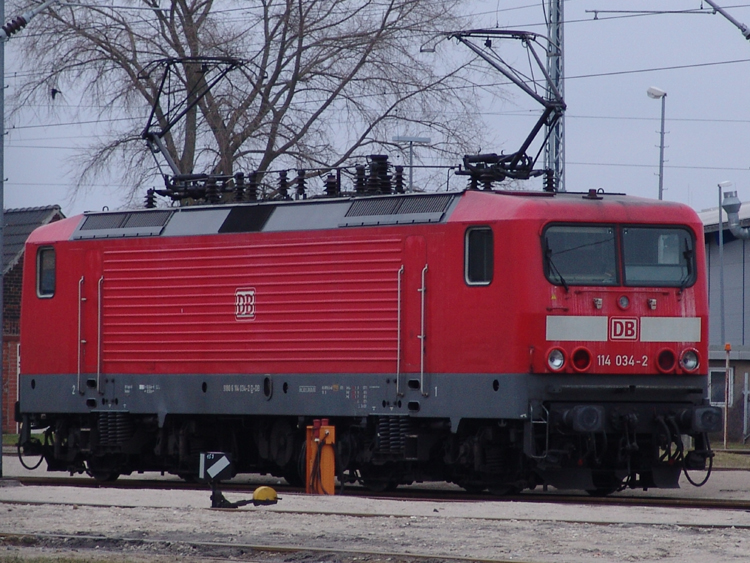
<point>413,493</point>
<point>218,549</point>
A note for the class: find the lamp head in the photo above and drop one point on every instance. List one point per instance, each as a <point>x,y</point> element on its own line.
<point>655,93</point>
<point>731,203</point>
<point>409,139</point>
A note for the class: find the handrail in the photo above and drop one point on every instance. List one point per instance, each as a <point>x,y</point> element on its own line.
<point>398,336</point>
<point>99,336</point>
<point>423,336</point>
<point>81,299</point>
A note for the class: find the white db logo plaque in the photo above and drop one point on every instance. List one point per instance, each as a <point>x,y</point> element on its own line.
<point>244,304</point>
<point>623,328</point>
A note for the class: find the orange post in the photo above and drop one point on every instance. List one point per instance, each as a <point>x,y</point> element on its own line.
<point>320,458</point>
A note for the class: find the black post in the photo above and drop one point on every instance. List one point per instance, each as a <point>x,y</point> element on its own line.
<point>2,223</point>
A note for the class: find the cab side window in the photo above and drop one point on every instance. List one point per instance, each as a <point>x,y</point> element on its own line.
<point>45,272</point>
<point>479,252</point>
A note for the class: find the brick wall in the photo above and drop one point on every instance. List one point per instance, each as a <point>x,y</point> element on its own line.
<point>12,299</point>
<point>11,331</point>
<point>10,383</point>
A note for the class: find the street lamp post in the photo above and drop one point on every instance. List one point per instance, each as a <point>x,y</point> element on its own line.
<point>2,220</point>
<point>411,141</point>
<point>656,93</point>
<point>727,348</point>
<point>722,185</point>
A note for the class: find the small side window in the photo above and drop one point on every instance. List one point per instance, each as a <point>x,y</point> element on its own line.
<point>479,256</point>
<point>717,386</point>
<point>45,272</point>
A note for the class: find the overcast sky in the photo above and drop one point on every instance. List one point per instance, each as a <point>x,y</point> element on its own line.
<point>612,127</point>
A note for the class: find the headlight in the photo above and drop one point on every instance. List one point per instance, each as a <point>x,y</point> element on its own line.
<point>556,359</point>
<point>689,360</point>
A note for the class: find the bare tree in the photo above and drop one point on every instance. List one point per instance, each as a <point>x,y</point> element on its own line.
<point>321,80</point>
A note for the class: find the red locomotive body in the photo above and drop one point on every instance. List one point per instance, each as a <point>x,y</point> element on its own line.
<point>496,340</point>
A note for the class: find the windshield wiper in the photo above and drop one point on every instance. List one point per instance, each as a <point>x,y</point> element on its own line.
<point>553,268</point>
<point>688,256</point>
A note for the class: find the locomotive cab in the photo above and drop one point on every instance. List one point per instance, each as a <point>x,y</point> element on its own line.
<point>622,367</point>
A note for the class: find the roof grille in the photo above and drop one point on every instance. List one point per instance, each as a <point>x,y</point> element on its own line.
<point>104,221</point>
<point>428,204</point>
<point>122,224</point>
<point>362,207</point>
<point>146,219</point>
<point>125,220</point>
<point>400,205</point>
<point>398,210</point>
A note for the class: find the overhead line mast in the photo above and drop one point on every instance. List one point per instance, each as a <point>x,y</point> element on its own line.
<point>739,25</point>
<point>555,148</point>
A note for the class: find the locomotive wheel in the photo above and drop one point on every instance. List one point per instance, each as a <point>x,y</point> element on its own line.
<point>604,484</point>
<point>102,470</point>
<point>294,471</point>
<point>378,480</point>
<point>105,477</point>
<point>472,487</point>
<point>379,486</point>
<point>501,490</point>
<point>601,492</point>
<point>293,478</point>
<point>281,443</point>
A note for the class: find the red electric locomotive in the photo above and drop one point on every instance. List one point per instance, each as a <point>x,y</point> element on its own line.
<point>493,339</point>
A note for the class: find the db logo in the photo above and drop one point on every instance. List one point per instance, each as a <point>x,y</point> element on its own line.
<point>244,304</point>
<point>623,328</point>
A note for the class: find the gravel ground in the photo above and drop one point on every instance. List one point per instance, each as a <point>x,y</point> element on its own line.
<point>171,524</point>
<point>105,525</point>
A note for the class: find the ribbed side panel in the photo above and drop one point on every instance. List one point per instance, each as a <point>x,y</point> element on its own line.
<point>262,306</point>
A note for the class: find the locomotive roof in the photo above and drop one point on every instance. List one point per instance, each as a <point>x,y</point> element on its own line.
<point>333,213</point>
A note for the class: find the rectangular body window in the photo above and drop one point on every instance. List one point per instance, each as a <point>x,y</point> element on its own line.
<point>655,256</point>
<point>479,252</point>
<point>580,255</point>
<point>45,272</point>
<point>717,386</point>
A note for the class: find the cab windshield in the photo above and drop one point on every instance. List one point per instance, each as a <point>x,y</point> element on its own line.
<point>628,255</point>
<point>658,256</point>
